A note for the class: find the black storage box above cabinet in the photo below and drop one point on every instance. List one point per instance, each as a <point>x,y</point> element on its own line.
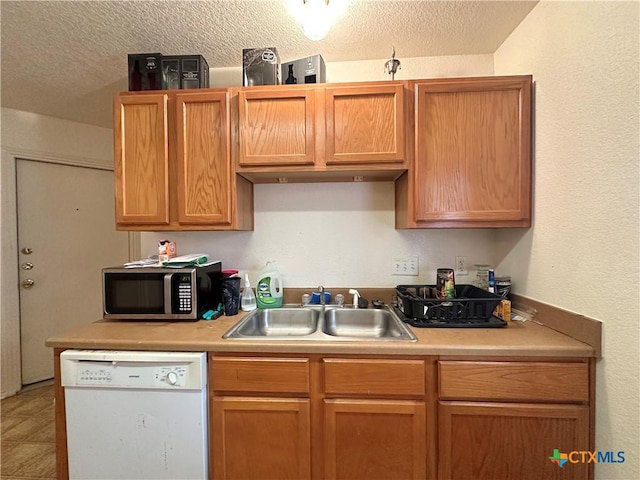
<point>304,70</point>
<point>260,66</point>
<point>184,71</point>
<point>144,71</point>
<point>154,71</point>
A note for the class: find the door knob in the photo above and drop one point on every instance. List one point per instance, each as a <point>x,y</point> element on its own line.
<point>27,266</point>
<point>28,283</point>
<point>27,251</point>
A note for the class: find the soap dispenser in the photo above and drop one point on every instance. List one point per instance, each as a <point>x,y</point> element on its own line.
<point>248,299</point>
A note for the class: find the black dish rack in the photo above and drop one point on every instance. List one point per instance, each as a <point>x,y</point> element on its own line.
<point>471,307</point>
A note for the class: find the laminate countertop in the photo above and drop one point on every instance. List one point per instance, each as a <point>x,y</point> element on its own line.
<point>516,339</point>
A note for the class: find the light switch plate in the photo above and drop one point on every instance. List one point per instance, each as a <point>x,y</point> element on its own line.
<point>407,265</point>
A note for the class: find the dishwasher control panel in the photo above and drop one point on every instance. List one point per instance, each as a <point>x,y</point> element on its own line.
<point>91,373</point>
<point>124,369</point>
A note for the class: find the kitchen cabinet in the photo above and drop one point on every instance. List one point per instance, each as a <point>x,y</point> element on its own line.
<point>472,158</point>
<point>399,417</point>
<point>375,439</point>
<point>325,417</point>
<point>173,169</point>
<point>374,418</point>
<point>330,130</point>
<point>261,421</point>
<point>277,126</point>
<point>379,409</point>
<point>504,419</point>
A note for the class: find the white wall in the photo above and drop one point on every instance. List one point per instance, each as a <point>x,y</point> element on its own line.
<point>331,234</point>
<point>38,137</point>
<point>582,252</point>
<point>373,70</point>
<point>340,234</point>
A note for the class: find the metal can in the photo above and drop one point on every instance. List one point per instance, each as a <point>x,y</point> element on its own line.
<point>445,283</point>
<point>503,286</point>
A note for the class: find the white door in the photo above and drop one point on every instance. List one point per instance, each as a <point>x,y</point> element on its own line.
<point>66,234</point>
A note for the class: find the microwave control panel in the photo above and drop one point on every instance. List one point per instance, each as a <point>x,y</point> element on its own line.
<point>185,294</point>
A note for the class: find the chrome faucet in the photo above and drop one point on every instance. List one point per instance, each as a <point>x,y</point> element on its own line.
<point>356,296</point>
<point>323,301</point>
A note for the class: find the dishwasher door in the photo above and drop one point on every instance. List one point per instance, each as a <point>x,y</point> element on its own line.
<point>135,415</point>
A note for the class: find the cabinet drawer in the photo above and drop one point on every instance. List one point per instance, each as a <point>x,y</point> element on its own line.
<point>364,377</point>
<point>258,374</point>
<point>517,381</point>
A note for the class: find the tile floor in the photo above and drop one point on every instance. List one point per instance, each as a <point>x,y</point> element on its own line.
<point>27,440</point>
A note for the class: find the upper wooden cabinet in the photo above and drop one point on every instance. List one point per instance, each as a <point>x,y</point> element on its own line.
<point>322,129</point>
<point>459,150</point>
<point>472,163</point>
<point>173,167</point>
<point>141,159</point>
<point>365,124</point>
<point>276,126</point>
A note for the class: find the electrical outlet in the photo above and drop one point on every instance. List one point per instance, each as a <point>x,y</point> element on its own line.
<point>405,265</point>
<point>461,266</point>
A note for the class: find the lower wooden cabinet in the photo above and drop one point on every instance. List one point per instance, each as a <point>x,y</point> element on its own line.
<point>367,439</point>
<point>504,420</point>
<point>510,441</point>
<point>399,417</point>
<point>261,438</point>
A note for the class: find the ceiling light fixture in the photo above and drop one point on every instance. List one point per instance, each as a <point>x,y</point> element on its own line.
<point>317,16</point>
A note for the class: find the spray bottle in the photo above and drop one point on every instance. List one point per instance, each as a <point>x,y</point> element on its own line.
<point>248,299</point>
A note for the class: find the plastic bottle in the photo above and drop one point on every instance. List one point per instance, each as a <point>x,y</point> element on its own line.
<point>269,288</point>
<point>248,299</point>
<point>492,280</point>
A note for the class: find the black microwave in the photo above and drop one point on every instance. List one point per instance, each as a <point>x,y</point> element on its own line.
<point>161,293</point>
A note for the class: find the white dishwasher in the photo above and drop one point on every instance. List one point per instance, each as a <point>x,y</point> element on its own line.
<point>135,415</point>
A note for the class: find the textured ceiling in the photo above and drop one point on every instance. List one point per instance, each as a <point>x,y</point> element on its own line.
<point>68,58</point>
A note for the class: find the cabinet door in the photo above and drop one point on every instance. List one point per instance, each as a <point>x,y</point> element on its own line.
<point>261,438</point>
<point>510,441</point>
<point>365,124</point>
<point>473,152</point>
<point>276,127</point>
<point>141,160</point>
<point>365,439</point>
<point>203,158</point>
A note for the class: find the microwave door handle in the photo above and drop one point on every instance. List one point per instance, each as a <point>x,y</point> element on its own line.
<point>167,293</point>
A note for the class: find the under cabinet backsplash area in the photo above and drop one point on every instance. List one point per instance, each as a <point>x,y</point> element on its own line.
<point>333,234</point>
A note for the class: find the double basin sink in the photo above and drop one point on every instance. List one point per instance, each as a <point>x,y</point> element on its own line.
<point>330,323</point>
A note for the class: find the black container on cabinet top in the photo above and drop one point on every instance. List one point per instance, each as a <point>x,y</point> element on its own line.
<point>306,70</point>
<point>144,71</point>
<point>184,71</point>
<point>260,66</point>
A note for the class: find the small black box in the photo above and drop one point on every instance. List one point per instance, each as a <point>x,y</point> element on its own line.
<point>260,66</point>
<point>184,71</point>
<point>304,70</point>
<point>144,71</point>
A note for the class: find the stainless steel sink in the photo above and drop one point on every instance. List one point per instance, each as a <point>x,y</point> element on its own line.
<point>315,323</point>
<point>367,323</point>
<point>276,322</point>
